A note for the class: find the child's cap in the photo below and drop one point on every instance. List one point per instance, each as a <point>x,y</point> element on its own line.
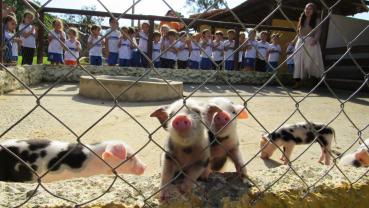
<point>231,31</point>
<point>73,30</point>
<point>124,28</point>
<point>172,33</point>
<point>156,34</point>
<point>28,13</point>
<point>145,23</point>
<point>264,32</point>
<point>205,31</point>
<point>219,33</point>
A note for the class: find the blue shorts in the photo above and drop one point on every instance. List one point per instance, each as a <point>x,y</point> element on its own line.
<point>125,62</point>
<point>274,64</point>
<point>291,68</point>
<point>157,64</point>
<point>206,64</point>
<point>194,65</point>
<point>96,60</point>
<point>55,58</point>
<point>112,59</point>
<point>250,62</point>
<point>143,61</point>
<point>14,58</point>
<point>135,61</point>
<point>229,65</point>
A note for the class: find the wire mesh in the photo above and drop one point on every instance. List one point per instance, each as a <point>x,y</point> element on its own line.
<point>278,8</point>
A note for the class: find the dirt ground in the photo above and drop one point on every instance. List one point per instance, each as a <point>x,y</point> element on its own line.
<point>271,107</point>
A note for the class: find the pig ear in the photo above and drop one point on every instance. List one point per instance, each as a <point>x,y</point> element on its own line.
<point>117,150</point>
<point>363,157</point>
<point>211,110</point>
<point>242,112</point>
<point>161,114</point>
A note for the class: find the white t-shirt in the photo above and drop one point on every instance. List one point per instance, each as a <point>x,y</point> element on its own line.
<point>165,43</point>
<point>125,50</point>
<point>195,52</point>
<point>30,41</point>
<point>240,55</point>
<point>182,55</point>
<point>218,51</point>
<point>274,56</point>
<point>251,52</point>
<point>170,54</point>
<point>290,50</point>
<point>208,50</point>
<point>156,51</point>
<point>113,40</point>
<point>14,48</point>
<point>262,50</point>
<point>142,44</point>
<point>228,52</point>
<point>72,45</point>
<point>55,46</point>
<point>96,50</point>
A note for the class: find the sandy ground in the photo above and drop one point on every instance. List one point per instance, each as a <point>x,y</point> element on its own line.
<point>271,107</point>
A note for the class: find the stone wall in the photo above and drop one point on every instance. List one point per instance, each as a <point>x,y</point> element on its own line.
<point>36,73</point>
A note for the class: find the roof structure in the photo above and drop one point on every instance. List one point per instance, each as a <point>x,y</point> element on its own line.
<point>254,11</point>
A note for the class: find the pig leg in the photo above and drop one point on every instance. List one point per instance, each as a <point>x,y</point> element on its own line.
<point>288,151</point>
<point>283,158</point>
<point>237,159</point>
<point>167,175</point>
<point>192,174</point>
<point>327,154</point>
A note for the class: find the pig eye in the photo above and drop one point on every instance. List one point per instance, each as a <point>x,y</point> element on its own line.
<point>234,113</point>
<point>196,111</point>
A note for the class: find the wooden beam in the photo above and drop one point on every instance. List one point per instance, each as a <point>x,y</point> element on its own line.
<point>40,39</point>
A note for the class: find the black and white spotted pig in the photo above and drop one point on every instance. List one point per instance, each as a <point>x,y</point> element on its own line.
<point>42,155</point>
<point>186,146</point>
<point>226,143</point>
<point>302,133</point>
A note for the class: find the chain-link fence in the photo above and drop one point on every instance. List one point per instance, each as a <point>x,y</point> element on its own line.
<point>278,7</point>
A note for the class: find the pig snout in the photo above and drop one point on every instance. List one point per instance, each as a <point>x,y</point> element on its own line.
<point>222,118</point>
<point>140,169</point>
<point>181,123</point>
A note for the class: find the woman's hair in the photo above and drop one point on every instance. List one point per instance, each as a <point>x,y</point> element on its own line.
<point>61,22</point>
<point>74,31</point>
<point>27,13</point>
<point>313,19</point>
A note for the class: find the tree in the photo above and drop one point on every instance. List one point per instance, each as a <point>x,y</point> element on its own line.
<point>202,5</point>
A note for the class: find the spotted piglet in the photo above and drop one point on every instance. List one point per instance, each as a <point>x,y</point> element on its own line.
<point>302,133</point>
<point>186,145</point>
<point>225,143</point>
<point>359,158</point>
<point>43,155</point>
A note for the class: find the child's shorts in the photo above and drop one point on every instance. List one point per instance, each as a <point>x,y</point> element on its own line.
<point>157,64</point>
<point>55,57</point>
<point>274,64</point>
<point>14,58</point>
<point>291,68</point>
<point>70,62</point>
<point>96,60</point>
<point>136,58</point>
<point>206,64</point>
<point>229,65</point>
<point>112,59</point>
<point>250,62</point>
<point>194,64</point>
<point>125,62</point>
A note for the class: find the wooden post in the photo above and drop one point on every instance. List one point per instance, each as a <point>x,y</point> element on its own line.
<point>236,44</point>
<point>40,39</point>
<point>1,32</point>
<point>150,40</point>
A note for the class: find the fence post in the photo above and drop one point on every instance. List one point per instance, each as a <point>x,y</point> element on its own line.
<point>40,39</point>
<point>150,40</point>
<point>236,44</point>
<point>1,32</point>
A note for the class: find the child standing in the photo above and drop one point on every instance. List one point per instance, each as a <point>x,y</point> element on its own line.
<point>156,49</point>
<point>262,47</point>
<point>182,50</point>
<point>273,53</point>
<point>229,48</point>
<point>207,46</point>
<point>10,24</point>
<point>195,57</point>
<point>111,43</point>
<point>95,43</point>
<point>55,49</point>
<point>125,48</point>
<point>218,48</point>
<point>142,43</point>
<point>164,61</point>
<point>136,55</point>
<point>171,54</point>
<point>74,46</point>
<point>250,53</point>
<point>241,52</point>
<point>290,61</point>
<point>28,37</point>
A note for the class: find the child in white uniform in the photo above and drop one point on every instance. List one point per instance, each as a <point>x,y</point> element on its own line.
<point>207,46</point>
<point>111,42</point>
<point>195,57</point>
<point>125,48</point>
<point>156,49</point>
<point>290,61</point>
<point>55,49</point>
<point>95,43</point>
<point>74,47</point>
<point>274,51</point>
<point>250,53</point>
<point>228,50</point>
<point>218,48</point>
<point>28,37</point>
<point>182,50</point>
<point>262,48</point>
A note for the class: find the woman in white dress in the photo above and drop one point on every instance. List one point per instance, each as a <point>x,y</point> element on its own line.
<point>308,59</point>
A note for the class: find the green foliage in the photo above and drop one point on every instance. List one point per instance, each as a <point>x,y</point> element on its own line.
<point>202,5</point>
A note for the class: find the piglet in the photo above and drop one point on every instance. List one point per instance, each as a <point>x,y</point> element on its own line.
<point>42,155</point>
<point>225,143</point>
<point>187,145</point>
<point>359,158</point>
<point>302,133</point>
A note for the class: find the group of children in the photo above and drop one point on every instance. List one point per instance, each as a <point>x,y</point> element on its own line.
<point>127,47</point>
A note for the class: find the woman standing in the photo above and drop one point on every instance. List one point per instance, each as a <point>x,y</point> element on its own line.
<point>308,59</point>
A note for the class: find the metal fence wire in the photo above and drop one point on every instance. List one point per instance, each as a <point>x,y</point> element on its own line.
<point>297,102</point>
